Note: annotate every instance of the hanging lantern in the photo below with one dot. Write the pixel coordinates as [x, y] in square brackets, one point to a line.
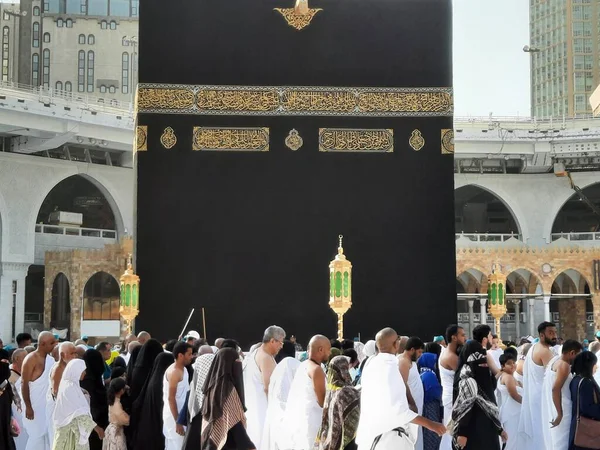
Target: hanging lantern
[130, 305]
[497, 295]
[340, 287]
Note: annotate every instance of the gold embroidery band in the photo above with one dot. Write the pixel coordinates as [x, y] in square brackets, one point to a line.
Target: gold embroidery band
[447, 141]
[231, 139]
[356, 140]
[295, 101]
[141, 138]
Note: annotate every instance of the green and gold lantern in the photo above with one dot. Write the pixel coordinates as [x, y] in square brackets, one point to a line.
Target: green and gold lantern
[340, 287]
[497, 295]
[130, 296]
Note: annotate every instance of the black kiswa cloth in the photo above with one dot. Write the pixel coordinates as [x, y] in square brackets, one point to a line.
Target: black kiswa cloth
[6, 440]
[223, 419]
[148, 408]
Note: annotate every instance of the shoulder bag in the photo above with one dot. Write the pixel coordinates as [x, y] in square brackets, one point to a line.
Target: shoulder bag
[587, 431]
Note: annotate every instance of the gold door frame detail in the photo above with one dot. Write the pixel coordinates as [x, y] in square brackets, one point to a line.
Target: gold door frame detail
[141, 138]
[295, 101]
[231, 139]
[300, 15]
[447, 141]
[356, 140]
[416, 141]
[168, 138]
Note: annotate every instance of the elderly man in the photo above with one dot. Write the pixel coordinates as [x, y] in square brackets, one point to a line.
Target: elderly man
[143, 337]
[66, 352]
[258, 367]
[36, 381]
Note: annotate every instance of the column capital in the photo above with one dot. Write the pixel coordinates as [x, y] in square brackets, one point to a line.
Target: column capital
[516, 301]
[531, 301]
[547, 299]
[471, 302]
[483, 301]
[13, 267]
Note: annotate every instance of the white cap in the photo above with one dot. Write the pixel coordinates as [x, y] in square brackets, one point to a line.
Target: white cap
[193, 334]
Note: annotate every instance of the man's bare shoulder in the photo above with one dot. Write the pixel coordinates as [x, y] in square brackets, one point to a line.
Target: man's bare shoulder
[263, 359]
[541, 355]
[449, 360]
[314, 370]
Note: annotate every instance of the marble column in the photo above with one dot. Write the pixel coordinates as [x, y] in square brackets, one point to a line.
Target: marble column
[517, 304]
[547, 307]
[471, 302]
[12, 295]
[483, 304]
[530, 317]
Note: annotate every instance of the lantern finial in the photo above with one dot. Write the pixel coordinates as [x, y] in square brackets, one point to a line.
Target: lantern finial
[340, 290]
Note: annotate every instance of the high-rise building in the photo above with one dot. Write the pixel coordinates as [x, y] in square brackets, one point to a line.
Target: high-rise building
[84, 49]
[565, 56]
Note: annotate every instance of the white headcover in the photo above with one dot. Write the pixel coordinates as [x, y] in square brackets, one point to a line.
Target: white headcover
[370, 349]
[70, 401]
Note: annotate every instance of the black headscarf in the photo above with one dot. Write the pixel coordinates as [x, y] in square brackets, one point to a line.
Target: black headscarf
[148, 408]
[142, 367]
[93, 383]
[483, 376]
[288, 350]
[132, 359]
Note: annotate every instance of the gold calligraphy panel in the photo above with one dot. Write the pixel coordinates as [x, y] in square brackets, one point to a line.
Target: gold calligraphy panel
[295, 101]
[141, 138]
[447, 141]
[231, 139]
[356, 140]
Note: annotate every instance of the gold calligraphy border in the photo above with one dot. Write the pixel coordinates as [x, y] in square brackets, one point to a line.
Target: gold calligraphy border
[231, 139]
[356, 140]
[294, 101]
[141, 138]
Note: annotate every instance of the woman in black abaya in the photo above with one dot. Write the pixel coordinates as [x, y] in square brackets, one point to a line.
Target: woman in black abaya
[93, 383]
[149, 407]
[6, 397]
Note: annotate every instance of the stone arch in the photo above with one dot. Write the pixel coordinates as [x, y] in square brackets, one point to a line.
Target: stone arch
[556, 225]
[107, 192]
[101, 297]
[572, 311]
[61, 302]
[497, 195]
[529, 279]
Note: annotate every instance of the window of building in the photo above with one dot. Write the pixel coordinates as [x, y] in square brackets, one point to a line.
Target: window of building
[46, 68]
[97, 7]
[6, 16]
[60, 23]
[119, 8]
[46, 6]
[103, 25]
[113, 25]
[71, 6]
[69, 23]
[5, 52]
[82, 38]
[101, 298]
[36, 35]
[68, 87]
[46, 37]
[134, 8]
[125, 41]
[103, 89]
[58, 86]
[125, 73]
[90, 72]
[35, 69]
[112, 90]
[36, 11]
[91, 39]
[83, 7]
[81, 71]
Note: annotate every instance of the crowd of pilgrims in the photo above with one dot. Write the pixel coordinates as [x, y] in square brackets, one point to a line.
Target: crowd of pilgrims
[393, 392]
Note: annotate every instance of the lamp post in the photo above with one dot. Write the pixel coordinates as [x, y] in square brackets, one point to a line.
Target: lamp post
[340, 287]
[497, 295]
[130, 295]
[14, 13]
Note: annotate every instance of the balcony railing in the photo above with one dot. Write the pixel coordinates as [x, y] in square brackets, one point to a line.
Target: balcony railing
[488, 237]
[464, 318]
[589, 317]
[586, 237]
[75, 231]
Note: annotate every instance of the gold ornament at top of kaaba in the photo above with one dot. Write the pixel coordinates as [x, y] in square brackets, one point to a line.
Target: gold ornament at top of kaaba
[497, 295]
[130, 295]
[293, 141]
[416, 141]
[168, 138]
[299, 16]
[340, 286]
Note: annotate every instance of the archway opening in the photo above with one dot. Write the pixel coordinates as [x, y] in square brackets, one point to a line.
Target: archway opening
[576, 216]
[571, 313]
[479, 211]
[101, 298]
[77, 194]
[61, 303]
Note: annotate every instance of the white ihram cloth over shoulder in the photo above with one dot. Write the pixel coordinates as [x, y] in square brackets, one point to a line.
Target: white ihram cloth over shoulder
[279, 390]
[173, 441]
[531, 435]
[37, 429]
[556, 438]
[418, 393]
[50, 404]
[21, 440]
[447, 379]
[255, 398]
[70, 400]
[384, 405]
[510, 412]
[303, 414]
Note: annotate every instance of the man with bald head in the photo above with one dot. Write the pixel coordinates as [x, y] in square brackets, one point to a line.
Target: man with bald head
[304, 409]
[384, 412]
[219, 343]
[126, 354]
[66, 352]
[36, 382]
[143, 337]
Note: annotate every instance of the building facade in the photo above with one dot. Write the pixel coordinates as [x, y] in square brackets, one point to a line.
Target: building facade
[565, 56]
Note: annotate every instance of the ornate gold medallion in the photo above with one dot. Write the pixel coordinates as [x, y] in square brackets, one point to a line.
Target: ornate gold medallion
[141, 138]
[447, 141]
[299, 16]
[416, 140]
[294, 141]
[168, 138]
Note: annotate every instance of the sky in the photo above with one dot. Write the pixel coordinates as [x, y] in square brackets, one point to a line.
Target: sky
[491, 71]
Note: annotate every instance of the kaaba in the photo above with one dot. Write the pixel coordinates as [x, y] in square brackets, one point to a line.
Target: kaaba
[265, 129]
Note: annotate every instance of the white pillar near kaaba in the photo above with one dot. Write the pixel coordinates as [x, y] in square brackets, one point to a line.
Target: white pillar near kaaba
[530, 316]
[517, 304]
[471, 302]
[483, 310]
